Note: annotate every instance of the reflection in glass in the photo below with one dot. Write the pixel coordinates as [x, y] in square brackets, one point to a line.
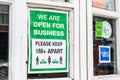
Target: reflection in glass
[104, 4]
[104, 38]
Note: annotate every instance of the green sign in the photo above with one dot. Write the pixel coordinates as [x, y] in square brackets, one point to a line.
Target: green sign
[98, 29]
[48, 41]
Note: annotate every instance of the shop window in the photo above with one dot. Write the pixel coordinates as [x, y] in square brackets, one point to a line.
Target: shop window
[104, 46]
[104, 4]
[4, 13]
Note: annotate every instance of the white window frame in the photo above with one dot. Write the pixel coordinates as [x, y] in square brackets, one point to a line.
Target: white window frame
[91, 11]
[73, 9]
[70, 39]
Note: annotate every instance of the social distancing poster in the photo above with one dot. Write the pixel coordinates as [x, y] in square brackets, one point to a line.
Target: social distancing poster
[48, 41]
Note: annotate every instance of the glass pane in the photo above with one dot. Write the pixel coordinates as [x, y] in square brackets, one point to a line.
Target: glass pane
[47, 75]
[3, 45]
[4, 8]
[104, 46]
[1, 17]
[4, 14]
[104, 4]
[5, 19]
[1, 8]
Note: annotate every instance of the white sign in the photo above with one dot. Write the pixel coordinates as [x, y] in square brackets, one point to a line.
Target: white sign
[107, 30]
[48, 53]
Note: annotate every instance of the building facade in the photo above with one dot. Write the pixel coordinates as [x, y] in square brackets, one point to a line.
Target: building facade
[59, 40]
